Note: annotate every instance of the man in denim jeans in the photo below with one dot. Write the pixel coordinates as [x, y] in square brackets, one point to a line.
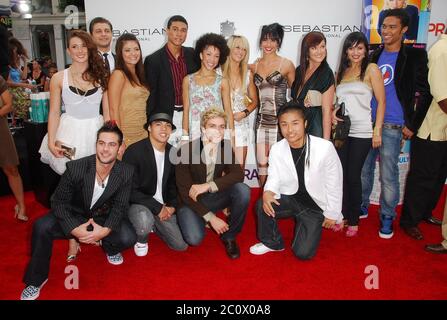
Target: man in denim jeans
[209, 179]
[405, 74]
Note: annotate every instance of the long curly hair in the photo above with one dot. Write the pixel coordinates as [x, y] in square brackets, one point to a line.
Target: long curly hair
[213, 40]
[121, 65]
[96, 71]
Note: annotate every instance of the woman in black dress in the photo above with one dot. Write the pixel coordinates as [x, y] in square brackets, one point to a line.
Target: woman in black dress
[314, 85]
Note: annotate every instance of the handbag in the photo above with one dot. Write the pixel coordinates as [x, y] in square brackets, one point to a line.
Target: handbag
[69, 151]
[340, 131]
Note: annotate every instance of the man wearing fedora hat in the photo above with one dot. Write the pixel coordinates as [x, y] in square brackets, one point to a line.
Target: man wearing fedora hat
[153, 199]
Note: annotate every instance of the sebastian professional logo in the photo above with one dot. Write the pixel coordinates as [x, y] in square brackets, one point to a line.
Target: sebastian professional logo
[142, 34]
[227, 29]
[387, 74]
[329, 30]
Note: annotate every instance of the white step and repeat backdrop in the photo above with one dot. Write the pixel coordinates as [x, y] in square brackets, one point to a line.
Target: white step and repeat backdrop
[147, 20]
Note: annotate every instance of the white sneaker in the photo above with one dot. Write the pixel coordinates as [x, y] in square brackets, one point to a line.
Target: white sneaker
[31, 292]
[260, 248]
[116, 259]
[141, 249]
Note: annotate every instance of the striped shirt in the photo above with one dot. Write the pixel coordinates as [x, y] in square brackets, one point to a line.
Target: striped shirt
[178, 71]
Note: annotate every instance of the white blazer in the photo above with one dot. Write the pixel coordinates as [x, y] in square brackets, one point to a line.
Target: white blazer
[323, 176]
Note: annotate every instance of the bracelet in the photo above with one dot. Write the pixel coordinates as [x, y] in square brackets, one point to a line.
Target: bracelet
[377, 131]
[246, 112]
[185, 138]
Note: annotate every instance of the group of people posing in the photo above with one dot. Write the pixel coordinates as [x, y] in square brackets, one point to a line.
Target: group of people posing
[170, 154]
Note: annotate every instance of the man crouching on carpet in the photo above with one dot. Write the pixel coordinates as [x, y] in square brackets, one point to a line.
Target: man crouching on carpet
[89, 204]
[305, 180]
[209, 179]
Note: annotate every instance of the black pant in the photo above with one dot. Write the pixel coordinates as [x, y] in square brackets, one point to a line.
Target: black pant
[425, 180]
[47, 229]
[308, 227]
[352, 155]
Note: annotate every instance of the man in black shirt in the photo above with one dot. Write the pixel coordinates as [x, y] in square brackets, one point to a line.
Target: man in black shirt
[305, 180]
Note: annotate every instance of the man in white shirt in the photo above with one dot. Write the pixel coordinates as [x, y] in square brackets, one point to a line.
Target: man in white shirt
[154, 193]
[101, 31]
[89, 204]
[305, 181]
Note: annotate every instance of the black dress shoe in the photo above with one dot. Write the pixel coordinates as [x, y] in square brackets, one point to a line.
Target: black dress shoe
[435, 248]
[413, 232]
[433, 220]
[231, 248]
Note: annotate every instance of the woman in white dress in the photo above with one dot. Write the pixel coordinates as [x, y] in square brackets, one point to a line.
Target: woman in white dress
[244, 98]
[80, 88]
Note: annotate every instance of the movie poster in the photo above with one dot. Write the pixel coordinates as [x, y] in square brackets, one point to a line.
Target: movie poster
[418, 11]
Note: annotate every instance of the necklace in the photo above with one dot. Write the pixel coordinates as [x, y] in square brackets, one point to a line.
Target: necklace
[301, 153]
[102, 179]
[76, 85]
[235, 84]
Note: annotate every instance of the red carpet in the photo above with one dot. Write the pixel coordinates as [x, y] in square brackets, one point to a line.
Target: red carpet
[406, 271]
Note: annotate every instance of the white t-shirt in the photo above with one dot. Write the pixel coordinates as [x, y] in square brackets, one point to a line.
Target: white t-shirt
[160, 160]
[98, 190]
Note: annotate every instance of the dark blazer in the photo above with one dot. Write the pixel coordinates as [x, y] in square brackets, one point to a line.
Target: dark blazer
[411, 77]
[192, 170]
[71, 201]
[159, 78]
[141, 156]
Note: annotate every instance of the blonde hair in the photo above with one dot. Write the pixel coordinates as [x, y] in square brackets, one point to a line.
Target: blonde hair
[232, 43]
[386, 5]
[211, 113]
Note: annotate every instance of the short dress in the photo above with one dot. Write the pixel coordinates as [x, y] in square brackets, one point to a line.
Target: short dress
[132, 112]
[242, 127]
[8, 152]
[320, 81]
[78, 126]
[272, 96]
[201, 98]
